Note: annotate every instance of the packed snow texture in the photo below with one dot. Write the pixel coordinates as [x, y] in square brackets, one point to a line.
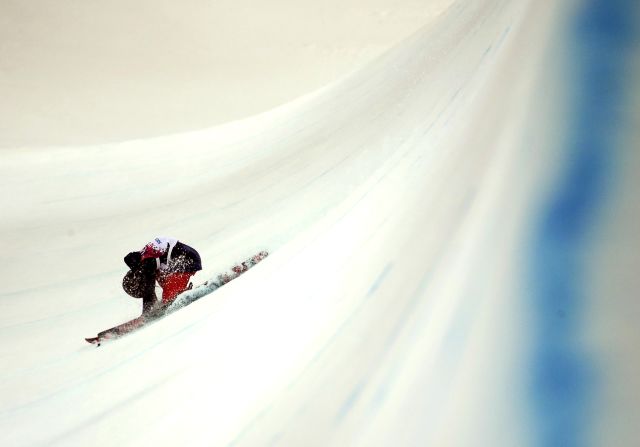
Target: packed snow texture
[83, 72]
[453, 253]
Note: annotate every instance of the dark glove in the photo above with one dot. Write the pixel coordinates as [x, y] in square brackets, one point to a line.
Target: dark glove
[133, 260]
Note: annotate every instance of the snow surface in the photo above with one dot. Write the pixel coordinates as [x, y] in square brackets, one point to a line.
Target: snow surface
[453, 255]
[84, 72]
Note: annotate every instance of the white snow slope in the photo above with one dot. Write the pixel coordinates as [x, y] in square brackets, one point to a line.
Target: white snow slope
[453, 255]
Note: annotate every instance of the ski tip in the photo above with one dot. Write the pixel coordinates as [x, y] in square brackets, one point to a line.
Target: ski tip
[93, 340]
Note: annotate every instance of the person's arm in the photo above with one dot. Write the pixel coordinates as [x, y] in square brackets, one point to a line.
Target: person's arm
[133, 260]
[152, 250]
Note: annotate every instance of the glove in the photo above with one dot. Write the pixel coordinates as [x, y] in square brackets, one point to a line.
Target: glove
[133, 260]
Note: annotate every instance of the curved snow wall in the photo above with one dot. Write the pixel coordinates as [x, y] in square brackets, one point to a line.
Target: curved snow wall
[453, 255]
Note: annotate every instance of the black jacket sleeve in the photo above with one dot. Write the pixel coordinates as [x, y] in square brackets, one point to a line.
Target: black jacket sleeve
[133, 260]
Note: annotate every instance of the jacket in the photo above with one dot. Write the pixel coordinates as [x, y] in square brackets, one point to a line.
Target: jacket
[170, 255]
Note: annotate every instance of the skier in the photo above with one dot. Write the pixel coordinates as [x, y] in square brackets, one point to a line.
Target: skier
[171, 263]
[165, 260]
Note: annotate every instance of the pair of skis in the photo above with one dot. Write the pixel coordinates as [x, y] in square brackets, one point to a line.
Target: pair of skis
[184, 299]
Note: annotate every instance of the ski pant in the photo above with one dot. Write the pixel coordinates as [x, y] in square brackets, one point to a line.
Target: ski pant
[173, 284]
[148, 286]
[141, 283]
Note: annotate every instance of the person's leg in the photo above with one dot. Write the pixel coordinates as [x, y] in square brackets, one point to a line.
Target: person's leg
[149, 298]
[148, 285]
[148, 301]
[173, 285]
[140, 283]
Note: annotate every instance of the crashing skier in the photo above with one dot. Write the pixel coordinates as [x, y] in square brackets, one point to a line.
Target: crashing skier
[172, 264]
[166, 260]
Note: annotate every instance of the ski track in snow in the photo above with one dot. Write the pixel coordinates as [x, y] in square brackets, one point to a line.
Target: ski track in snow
[453, 259]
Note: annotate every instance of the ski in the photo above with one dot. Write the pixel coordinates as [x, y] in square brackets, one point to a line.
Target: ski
[184, 299]
[126, 327]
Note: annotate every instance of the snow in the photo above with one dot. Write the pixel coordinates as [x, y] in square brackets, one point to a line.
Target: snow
[451, 226]
[90, 72]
